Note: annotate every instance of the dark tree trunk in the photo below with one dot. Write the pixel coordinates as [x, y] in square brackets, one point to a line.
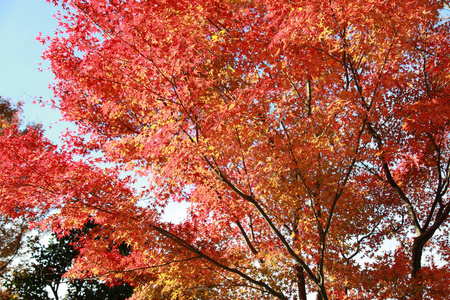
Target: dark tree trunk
[416, 260]
[416, 265]
[301, 284]
[321, 293]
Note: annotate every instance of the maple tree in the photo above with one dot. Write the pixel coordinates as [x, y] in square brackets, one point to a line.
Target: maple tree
[11, 231]
[303, 135]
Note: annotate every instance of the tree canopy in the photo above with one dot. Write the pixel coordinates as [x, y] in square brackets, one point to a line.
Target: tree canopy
[11, 231]
[46, 267]
[303, 135]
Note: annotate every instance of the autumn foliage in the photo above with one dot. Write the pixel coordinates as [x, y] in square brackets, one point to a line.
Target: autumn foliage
[11, 231]
[304, 136]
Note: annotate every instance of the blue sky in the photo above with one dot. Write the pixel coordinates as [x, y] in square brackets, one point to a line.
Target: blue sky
[20, 55]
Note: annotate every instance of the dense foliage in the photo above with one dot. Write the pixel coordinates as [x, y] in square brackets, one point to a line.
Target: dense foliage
[47, 265]
[303, 135]
[11, 231]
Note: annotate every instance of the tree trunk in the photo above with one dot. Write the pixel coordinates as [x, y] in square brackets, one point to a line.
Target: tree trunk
[416, 265]
[416, 260]
[417, 252]
[55, 290]
[301, 284]
[321, 293]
